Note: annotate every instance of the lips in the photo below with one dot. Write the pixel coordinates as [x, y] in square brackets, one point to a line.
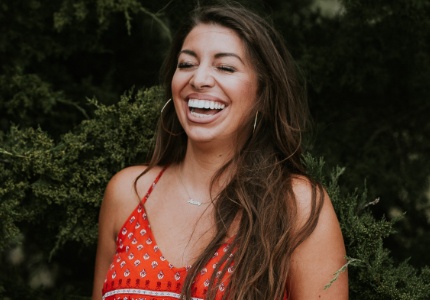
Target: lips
[204, 108]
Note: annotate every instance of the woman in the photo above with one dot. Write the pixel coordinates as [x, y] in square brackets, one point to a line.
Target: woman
[227, 210]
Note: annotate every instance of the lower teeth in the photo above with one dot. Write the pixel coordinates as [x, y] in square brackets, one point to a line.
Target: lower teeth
[198, 115]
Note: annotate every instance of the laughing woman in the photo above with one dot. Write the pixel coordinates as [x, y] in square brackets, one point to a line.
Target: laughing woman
[224, 209]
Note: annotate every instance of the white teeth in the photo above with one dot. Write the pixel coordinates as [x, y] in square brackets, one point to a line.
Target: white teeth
[200, 115]
[197, 103]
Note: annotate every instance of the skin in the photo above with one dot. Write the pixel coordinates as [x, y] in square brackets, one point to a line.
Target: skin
[315, 261]
[213, 65]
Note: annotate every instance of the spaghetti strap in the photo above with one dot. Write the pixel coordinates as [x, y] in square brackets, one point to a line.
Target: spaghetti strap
[139, 269]
[151, 188]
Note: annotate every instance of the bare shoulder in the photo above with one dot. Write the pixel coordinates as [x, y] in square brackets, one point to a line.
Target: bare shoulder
[122, 195]
[123, 181]
[302, 188]
[124, 192]
[129, 180]
[322, 254]
[307, 194]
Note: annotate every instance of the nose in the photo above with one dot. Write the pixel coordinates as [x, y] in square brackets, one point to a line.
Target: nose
[202, 78]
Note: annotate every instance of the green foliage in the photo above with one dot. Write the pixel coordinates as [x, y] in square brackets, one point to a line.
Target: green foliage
[57, 187]
[56, 54]
[373, 274]
[72, 12]
[28, 100]
[368, 69]
[68, 177]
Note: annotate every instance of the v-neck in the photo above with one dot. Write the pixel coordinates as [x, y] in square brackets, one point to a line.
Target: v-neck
[140, 268]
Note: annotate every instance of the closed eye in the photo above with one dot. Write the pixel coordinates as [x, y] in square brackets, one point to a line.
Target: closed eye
[185, 65]
[227, 68]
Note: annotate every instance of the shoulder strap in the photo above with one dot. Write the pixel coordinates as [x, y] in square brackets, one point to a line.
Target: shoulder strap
[154, 183]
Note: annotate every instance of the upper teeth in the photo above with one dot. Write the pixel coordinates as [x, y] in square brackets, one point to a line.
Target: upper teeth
[196, 103]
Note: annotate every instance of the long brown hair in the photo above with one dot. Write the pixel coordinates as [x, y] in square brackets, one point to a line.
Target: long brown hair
[260, 189]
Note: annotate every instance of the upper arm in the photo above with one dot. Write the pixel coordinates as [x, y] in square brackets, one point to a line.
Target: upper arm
[118, 202]
[315, 261]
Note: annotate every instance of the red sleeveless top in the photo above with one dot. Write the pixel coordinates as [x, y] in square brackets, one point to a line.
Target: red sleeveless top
[139, 271]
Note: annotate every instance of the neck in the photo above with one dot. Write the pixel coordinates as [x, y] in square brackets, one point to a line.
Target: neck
[198, 169]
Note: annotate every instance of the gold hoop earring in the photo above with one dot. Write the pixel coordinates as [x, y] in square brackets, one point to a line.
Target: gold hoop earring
[255, 121]
[165, 104]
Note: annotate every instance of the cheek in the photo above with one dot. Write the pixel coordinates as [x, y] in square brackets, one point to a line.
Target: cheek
[177, 82]
[249, 92]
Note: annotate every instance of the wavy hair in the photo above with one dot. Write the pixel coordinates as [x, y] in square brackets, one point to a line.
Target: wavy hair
[261, 169]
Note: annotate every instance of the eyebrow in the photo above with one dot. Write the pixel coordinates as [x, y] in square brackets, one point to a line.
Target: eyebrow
[218, 55]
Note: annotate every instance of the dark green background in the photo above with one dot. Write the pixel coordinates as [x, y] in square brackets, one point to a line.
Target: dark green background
[367, 65]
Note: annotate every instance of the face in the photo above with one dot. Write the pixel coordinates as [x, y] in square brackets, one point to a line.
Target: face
[214, 87]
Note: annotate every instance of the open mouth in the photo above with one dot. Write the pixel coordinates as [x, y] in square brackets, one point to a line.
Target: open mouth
[204, 108]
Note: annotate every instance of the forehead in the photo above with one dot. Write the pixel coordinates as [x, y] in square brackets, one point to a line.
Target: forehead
[214, 37]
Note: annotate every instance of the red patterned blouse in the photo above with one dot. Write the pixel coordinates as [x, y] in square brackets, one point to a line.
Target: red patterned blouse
[139, 270]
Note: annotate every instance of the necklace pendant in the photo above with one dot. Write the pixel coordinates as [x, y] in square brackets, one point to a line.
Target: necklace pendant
[194, 202]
